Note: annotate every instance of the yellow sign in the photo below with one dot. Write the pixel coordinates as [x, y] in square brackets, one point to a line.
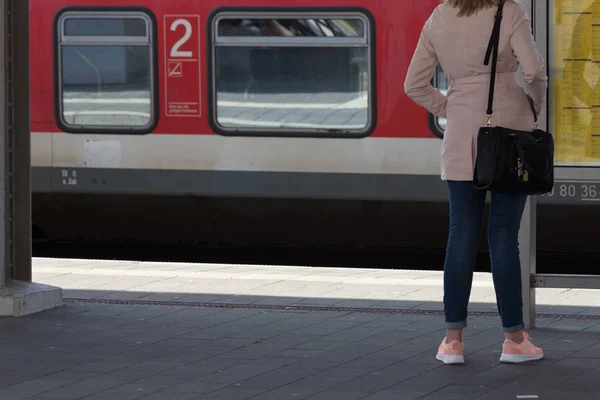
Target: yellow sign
[576, 80]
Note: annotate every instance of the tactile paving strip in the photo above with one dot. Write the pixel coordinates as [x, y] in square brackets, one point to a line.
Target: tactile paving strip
[389, 311]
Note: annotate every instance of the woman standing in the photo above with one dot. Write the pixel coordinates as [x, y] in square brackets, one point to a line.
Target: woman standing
[456, 37]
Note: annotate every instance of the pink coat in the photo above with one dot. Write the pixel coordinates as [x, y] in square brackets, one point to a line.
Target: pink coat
[458, 45]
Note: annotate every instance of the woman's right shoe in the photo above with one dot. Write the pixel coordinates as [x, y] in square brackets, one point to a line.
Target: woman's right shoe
[525, 351]
[451, 353]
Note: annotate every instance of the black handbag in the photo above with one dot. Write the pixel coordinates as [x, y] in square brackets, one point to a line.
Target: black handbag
[509, 160]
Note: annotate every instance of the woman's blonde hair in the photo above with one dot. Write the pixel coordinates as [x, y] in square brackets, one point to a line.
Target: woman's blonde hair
[470, 7]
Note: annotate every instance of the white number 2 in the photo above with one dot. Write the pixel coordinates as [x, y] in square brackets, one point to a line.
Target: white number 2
[175, 52]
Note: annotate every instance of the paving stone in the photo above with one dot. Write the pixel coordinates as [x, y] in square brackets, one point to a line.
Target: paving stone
[328, 327]
[569, 344]
[236, 374]
[247, 354]
[234, 393]
[261, 333]
[182, 358]
[314, 365]
[165, 381]
[170, 396]
[99, 367]
[403, 395]
[319, 345]
[369, 384]
[341, 395]
[275, 361]
[7, 380]
[300, 353]
[458, 393]
[562, 370]
[276, 378]
[591, 374]
[70, 376]
[194, 387]
[289, 339]
[331, 378]
[16, 394]
[127, 375]
[189, 371]
[206, 350]
[425, 383]
[113, 395]
[133, 388]
[353, 334]
[178, 344]
[370, 363]
[500, 375]
[66, 393]
[217, 362]
[37, 385]
[97, 384]
[390, 338]
[361, 317]
[289, 393]
[293, 324]
[392, 357]
[231, 342]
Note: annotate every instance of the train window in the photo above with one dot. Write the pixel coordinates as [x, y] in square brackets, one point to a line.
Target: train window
[106, 72]
[292, 74]
[437, 125]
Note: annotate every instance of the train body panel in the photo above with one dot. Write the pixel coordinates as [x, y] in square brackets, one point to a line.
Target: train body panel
[268, 98]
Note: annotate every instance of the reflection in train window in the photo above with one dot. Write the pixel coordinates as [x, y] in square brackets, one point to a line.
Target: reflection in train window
[440, 81]
[320, 27]
[292, 74]
[105, 72]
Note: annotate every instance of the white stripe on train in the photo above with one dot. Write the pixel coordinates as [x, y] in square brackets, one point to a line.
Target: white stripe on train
[214, 152]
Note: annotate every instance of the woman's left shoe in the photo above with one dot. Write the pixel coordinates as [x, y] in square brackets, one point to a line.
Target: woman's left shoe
[520, 352]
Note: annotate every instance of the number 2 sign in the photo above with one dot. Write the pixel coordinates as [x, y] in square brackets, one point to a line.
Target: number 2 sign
[183, 88]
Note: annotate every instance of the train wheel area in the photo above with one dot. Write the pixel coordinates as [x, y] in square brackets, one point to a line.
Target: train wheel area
[180, 330]
[276, 231]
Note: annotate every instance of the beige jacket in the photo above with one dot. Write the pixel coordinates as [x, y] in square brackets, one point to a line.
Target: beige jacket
[458, 45]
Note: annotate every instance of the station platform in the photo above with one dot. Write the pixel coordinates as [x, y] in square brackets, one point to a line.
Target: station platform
[171, 331]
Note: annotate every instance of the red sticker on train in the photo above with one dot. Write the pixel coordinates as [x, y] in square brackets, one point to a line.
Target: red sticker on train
[183, 88]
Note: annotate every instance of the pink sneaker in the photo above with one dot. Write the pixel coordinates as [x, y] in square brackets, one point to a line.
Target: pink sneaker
[451, 353]
[520, 353]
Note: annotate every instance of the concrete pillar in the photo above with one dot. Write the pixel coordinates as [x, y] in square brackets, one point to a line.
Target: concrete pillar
[18, 295]
[21, 143]
[5, 269]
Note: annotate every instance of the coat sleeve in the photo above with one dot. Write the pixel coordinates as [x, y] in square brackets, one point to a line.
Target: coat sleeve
[417, 84]
[531, 62]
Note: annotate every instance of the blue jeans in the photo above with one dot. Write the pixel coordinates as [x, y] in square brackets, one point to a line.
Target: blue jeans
[466, 212]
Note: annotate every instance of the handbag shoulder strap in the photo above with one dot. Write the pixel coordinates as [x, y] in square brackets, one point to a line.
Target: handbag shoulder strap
[492, 51]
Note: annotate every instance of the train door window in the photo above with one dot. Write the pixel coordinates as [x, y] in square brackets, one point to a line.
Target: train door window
[437, 125]
[105, 67]
[292, 73]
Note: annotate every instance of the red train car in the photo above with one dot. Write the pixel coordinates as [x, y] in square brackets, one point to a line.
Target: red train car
[150, 107]
[276, 99]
